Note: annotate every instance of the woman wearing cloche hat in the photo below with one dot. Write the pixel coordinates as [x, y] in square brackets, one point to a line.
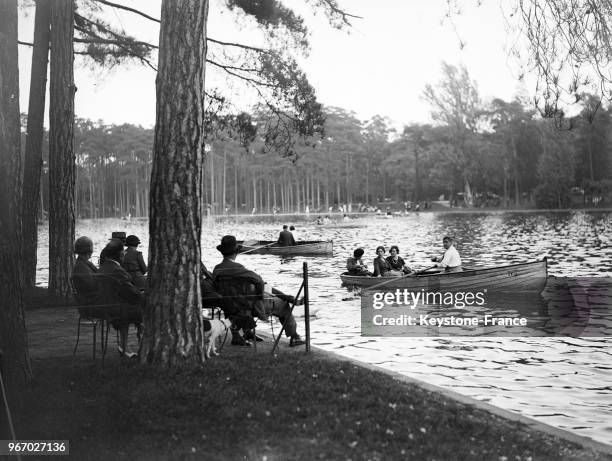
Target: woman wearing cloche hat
[133, 262]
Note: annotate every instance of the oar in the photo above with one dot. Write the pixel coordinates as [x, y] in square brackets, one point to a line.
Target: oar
[257, 248]
[424, 270]
[391, 279]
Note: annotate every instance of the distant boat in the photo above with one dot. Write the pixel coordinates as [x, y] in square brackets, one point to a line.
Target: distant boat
[305, 248]
[529, 276]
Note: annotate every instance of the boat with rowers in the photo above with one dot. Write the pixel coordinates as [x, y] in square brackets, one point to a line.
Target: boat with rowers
[303, 248]
[522, 277]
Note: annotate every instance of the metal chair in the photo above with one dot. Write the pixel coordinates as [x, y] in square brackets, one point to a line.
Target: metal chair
[92, 316]
[117, 310]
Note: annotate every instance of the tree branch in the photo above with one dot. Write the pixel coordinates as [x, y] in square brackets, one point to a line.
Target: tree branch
[239, 45]
[127, 8]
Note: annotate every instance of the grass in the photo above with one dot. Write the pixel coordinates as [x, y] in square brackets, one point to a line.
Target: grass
[245, 405]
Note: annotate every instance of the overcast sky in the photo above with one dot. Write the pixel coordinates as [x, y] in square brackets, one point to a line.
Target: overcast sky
[379, 67]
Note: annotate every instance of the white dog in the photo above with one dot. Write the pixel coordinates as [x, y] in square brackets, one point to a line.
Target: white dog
[212, 329]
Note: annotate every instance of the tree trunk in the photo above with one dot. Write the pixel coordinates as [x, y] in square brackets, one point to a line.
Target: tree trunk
[236, 204]
[224, 193]
[14, 358]
[516, 172]
[61, 152]
[173, 301]
[34, 140]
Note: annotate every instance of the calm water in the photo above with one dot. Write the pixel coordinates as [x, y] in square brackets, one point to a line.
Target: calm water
[565, 382]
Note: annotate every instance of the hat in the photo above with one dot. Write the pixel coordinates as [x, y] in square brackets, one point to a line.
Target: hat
[132, 240]
[113, 246]
[83, 245]
[228, 245]
[118, 235]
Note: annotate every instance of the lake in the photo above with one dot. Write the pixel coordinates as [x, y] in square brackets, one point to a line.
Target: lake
[565, 382]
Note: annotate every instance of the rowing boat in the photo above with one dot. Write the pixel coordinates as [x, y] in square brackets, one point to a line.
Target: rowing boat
[305, 248]
[529, 276]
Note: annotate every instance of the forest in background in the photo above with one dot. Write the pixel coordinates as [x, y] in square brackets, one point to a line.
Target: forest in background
[504, 152]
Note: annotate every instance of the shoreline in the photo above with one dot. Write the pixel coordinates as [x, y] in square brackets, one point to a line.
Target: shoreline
[584, 441]
[359, 215]
[51, 335]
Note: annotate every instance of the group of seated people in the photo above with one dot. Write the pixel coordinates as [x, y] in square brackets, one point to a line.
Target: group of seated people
[123, 296]
[395, 266]
[117, 284]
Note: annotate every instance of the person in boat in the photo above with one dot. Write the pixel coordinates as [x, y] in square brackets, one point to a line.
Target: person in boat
[450, 261]
[355, 266]
[382, 268]
[319, 221]
[285, 238]
[292, 230]
[125, 292]
[275, 303]
[326, 219]
[133, 262]
[345, 218]
[396, 262]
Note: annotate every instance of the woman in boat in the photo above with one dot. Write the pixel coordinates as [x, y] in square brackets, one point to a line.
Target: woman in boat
[382, 268]
[396, 262]
[355, 265]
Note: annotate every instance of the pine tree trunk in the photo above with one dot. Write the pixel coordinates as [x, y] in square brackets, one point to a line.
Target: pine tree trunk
[173, 301]
[14, 359]
[34, 140]
[61, 152]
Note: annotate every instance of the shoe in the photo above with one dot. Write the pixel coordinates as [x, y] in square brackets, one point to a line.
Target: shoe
[250, 336]
[296, 341]
[240, 341]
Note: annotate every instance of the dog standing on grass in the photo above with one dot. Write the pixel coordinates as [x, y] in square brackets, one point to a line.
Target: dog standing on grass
[212, 329]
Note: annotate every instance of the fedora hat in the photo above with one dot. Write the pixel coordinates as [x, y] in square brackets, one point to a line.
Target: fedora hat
[228, 245]
[118, 235]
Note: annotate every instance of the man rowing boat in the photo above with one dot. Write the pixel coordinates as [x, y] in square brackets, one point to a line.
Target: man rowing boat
[450, 261]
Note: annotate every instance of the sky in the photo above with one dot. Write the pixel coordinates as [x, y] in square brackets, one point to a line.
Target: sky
[379, 67]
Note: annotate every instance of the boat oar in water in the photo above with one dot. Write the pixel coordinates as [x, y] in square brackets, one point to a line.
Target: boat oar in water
[249, 243]
[392, 279]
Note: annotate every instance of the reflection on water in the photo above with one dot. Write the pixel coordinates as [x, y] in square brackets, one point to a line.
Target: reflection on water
[566, 382]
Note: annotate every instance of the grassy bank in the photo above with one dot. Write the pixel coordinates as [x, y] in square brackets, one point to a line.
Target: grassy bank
[247, 405]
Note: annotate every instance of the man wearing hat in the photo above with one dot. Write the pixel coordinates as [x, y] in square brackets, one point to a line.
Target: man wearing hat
[133, 261]
[277, 305]
[120, 289]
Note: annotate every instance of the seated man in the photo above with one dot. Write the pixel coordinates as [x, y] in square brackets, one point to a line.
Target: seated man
[285, 238]
[120, 289]
[451, 261]
[355, 266]
[83, 273]
[276, 304]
